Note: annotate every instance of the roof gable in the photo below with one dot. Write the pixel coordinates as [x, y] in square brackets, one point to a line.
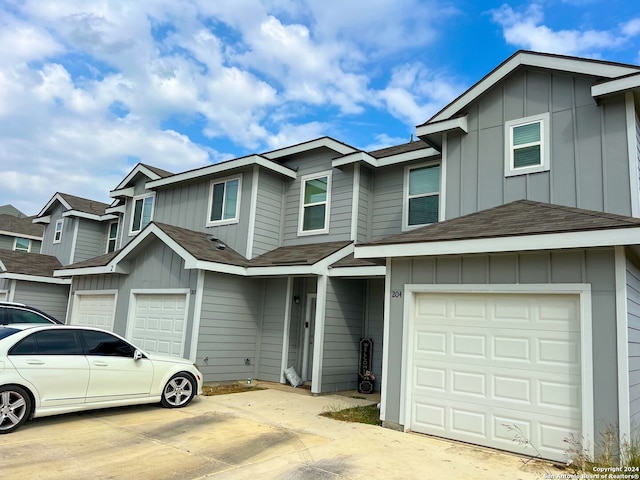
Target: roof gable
[75, 206]
[16, 226]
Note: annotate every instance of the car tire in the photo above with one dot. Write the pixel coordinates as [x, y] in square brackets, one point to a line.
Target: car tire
[179, 391]
[15, 407]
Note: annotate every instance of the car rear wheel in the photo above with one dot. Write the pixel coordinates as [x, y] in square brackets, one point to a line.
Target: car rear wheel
[178, 391]
[15, 406]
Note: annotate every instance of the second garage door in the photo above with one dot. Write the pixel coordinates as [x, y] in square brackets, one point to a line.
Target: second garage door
[94, 310]
[159, 323]
[489, 368]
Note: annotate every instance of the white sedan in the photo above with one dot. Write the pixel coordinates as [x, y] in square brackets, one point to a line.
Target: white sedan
[52, 369]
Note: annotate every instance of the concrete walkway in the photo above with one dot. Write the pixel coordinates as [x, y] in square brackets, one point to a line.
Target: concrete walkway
[258, 434]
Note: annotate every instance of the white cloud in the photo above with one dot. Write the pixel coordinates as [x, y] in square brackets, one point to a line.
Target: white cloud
[383, 140]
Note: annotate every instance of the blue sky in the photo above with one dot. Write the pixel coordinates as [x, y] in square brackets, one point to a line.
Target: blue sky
[90, 88]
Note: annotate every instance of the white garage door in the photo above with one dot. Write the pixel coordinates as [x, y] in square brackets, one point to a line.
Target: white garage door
[159, 323]
[487, 367]
[94, 310]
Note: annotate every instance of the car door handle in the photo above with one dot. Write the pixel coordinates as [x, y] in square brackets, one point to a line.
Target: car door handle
[35, 362]
[99, 363]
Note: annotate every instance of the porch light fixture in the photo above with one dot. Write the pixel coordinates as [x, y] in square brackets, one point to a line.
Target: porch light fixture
[296, 300]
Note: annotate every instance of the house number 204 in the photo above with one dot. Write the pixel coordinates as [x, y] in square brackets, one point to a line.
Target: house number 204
[396, 294]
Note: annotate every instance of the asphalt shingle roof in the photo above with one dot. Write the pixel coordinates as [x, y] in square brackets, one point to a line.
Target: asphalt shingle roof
[298, 254]
[398, 149]
[522, 217]
[29, 263]
[84, 204]
[24, 226]
[158, 171]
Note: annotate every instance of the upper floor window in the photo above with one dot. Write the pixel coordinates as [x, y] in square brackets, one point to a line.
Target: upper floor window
[142, 212]
[22, 244]
[314, 203]
[527, 145]
[224, 204]
[422, 195]
[57, 233]
[112, 237]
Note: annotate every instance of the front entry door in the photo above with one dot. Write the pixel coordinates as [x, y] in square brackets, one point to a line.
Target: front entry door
[308, 328]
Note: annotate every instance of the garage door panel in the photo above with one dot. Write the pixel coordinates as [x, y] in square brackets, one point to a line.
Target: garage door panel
[159, 323]
[486, 367]
[94, 310]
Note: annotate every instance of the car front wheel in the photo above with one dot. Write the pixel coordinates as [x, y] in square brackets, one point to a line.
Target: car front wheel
[15, 406]
[178, 391]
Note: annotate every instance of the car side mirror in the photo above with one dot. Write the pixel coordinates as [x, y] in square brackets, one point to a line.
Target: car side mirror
[137, 355]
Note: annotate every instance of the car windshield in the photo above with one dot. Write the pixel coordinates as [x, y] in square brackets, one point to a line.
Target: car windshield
[6, 332]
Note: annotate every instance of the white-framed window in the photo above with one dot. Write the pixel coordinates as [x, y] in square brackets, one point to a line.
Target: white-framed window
[421, 195]
[112, 237]
[57, 233]
[142, 212]
[224, 201]
[22, 244]
[315, 194]
[527, 145]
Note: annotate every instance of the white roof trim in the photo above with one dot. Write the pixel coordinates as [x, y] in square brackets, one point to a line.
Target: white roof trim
[2, 267]
[553, 241]
[575, 65]
[123, 192]
[139, 168]
[35, 278]
[223, 167]
[89, 216]
[46, 220]
[20, 235]
[617, 85]
[56, 198]
[457, 125]
[311, 145]
[364, 157]
[118, 209]
[72, 272]
[361, 271]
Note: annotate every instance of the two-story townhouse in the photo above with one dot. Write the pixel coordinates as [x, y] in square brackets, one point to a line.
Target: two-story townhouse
[519, 312]
[246, 266]
[18, 233]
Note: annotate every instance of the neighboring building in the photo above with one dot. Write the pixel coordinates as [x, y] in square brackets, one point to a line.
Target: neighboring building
[521, 308]
[19, 234]
[11, 210]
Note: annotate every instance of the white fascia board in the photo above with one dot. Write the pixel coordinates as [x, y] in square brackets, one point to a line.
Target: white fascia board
[617, 85]
[137, 169]
[286, 270]
[88, 216]
[313, 144]
[408, 157]
[163, 237]
[123, 192]
[554, 241]
[574, 65]
[457, 124]
[2, 267]
[35, 278]
[223, 167]
[322, 267]
[118, 209]
[356, 157]
[46, 220]
[19, 235]
[55, 198]
[372, 271]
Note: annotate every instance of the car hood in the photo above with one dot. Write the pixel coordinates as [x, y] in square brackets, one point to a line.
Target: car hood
[167, 358]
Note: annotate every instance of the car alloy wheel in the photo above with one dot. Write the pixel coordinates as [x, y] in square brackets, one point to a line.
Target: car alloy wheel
[178, 391]
[15, 406]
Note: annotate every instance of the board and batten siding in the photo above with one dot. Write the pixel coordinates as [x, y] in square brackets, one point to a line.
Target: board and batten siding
[633, 332]
[272, 331]
[90, 241]
[61, 250]
[343, 329]
[229, 327]
[6, 242]
[186, 206]
[50, 298]
[364, 205]
[313, 162]
[386, 205]
[588, 156]
[375, 325]
[581, 266]
[269, 213]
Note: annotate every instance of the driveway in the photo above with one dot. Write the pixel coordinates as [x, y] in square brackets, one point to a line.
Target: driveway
[257, 434]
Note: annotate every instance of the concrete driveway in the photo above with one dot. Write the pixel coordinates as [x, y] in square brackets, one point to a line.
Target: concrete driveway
[257, 434]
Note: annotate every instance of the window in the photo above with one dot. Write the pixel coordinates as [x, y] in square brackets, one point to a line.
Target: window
[527, 145]
[105, 344]
[314, 204]
[224, 203]
[422, 195]
[49, 342]
[22, 245]
[15, 315]
[112, 237]
[142, 213]
[57, 233]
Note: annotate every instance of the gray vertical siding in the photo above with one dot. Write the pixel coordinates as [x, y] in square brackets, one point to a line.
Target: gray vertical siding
[386, 203]
[590, 266]
[589, 163]
[62, 250]
[229, 327]
[138, 189]
[35, 246]
[375, 324]
[364, 205]
[6, 242]
[633, 331]
[341, 195]
[90, 242]
[269, 215]
[344, 323]
[273, 316]
[48, 297]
